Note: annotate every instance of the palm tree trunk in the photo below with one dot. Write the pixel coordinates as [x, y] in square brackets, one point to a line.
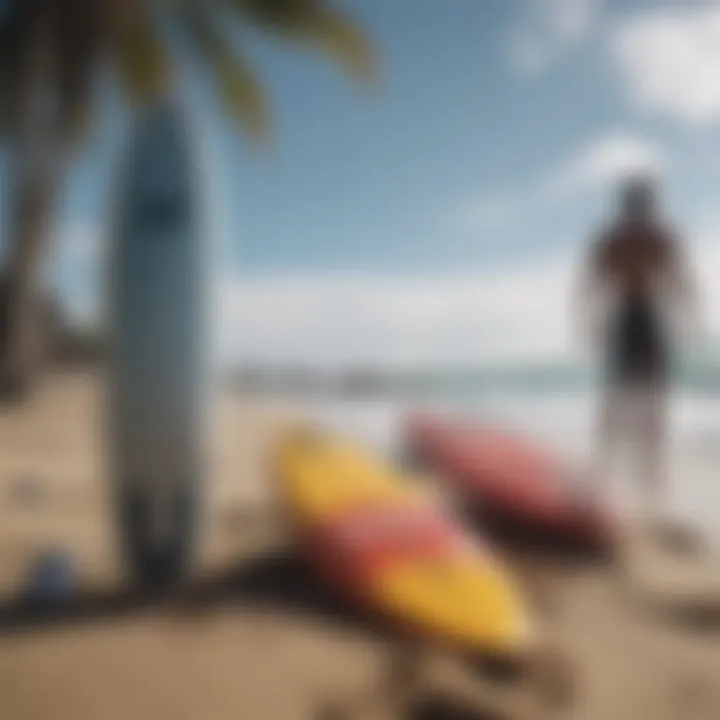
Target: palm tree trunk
[38, 156]
[30, 205]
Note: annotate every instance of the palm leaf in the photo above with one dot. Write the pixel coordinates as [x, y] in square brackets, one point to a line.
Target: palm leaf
[313, 22]
[18, 30]
[69, 35]
[235, 82]
[79, 27]
[138, 49]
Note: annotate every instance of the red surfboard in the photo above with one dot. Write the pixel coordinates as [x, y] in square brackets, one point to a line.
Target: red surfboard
[513, 481]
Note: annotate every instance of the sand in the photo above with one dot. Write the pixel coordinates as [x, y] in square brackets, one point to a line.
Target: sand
[259, 639]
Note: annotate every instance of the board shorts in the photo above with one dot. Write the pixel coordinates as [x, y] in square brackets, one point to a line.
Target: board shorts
[639, 354]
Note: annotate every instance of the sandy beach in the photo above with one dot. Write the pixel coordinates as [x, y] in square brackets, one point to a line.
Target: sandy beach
[260, 639]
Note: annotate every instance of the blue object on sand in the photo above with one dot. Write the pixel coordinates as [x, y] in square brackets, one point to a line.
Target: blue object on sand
[53, 580]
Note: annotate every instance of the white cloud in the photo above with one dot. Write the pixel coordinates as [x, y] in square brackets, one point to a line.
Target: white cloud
[603, 161]
[520, 314]
[337, 319]
[547, 29]
[669, 59]
[332, 320]
[77, 266]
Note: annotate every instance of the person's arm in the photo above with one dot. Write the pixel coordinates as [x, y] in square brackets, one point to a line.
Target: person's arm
[682, 287]
[589, 296]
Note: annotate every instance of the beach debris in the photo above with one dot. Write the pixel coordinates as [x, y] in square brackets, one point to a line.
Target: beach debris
[52, 581]
[28, 490]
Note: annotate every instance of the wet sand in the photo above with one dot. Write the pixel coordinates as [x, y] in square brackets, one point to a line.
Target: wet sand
[259, 638]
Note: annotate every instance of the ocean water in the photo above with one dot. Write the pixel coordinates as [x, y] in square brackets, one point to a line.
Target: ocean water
[564, 422]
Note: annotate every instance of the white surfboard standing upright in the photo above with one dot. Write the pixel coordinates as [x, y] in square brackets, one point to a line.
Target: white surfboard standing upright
[158, 384]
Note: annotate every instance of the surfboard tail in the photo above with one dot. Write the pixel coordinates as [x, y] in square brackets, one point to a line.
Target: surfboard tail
[159, 560]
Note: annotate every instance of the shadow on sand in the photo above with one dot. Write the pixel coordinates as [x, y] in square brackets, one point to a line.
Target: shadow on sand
[275, 580]
[278, 579]
[439, 707]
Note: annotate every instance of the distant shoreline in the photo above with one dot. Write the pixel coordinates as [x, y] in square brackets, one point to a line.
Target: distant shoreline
[78, 349]
[541, 379]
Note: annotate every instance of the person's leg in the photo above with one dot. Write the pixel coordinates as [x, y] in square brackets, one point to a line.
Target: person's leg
[608, 431]
[614, 401]
[644, 363]
[651, 446]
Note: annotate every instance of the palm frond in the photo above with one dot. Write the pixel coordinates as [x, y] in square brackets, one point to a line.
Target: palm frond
[234, 80]
[18, 30]
[138, 50]
[315, 23]
[79, 31]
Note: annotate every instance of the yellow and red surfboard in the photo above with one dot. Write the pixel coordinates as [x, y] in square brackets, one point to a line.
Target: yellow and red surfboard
[387, 544]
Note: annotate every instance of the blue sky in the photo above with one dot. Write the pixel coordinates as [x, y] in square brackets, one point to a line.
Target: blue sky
[439, 216]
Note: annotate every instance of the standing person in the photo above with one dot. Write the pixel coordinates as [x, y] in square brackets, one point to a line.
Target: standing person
[638, 276]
